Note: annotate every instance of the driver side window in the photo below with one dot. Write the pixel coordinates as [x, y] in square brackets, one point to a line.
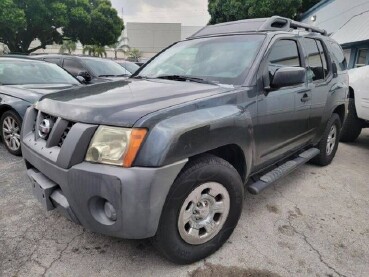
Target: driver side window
[284, 53]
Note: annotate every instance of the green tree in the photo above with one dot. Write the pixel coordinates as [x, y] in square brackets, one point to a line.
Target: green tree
[307, 4]
[92, 22]
[230, 10]
[120, 46]
[68, 46]
[95, 50]
[134, 55]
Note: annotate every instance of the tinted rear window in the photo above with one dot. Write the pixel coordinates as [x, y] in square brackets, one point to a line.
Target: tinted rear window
[338, 56]
[315, 64]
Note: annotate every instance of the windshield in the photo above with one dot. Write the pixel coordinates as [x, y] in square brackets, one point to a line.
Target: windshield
[104, 68]
[224, 60]
[26, 72]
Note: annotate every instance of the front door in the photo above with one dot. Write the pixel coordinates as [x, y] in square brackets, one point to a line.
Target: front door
[283, 114]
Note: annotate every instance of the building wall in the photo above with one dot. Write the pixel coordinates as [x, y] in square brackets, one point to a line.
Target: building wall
[188, 31]
[333, 14]
[151, 38]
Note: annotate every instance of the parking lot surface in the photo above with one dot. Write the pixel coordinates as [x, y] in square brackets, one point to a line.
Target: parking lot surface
[314, 222]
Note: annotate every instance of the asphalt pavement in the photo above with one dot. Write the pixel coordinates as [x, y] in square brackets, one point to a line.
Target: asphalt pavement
[314, 222]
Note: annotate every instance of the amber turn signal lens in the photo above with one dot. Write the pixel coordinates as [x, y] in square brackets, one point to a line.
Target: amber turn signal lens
[137, 137]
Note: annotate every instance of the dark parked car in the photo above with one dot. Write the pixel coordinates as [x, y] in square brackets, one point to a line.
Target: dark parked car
[128, 66]
[142, 61]
[23, 82]
[93, 70]
[169, 152]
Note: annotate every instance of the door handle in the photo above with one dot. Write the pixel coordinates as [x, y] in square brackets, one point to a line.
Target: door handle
[305, 98]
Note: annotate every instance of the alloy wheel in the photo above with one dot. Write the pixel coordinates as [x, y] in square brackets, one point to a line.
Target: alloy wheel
[11, 133]
[332, 139]
[203, 213]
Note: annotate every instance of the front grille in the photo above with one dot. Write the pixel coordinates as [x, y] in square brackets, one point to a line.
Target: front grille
[54, 130]
[65, 134]
[51, 119]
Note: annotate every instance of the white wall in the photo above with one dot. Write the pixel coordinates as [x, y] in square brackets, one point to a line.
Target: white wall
[152, 37]
[188, 31]
[335, 14]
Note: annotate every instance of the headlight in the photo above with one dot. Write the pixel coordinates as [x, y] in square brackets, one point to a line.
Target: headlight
[115, 146]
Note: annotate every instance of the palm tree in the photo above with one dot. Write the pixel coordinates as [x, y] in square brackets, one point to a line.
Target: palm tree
[120, 46]
[68, 46]
[95, 50]
[134, 55]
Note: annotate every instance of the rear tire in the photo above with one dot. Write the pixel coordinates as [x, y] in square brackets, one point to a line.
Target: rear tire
[329, 143]
[352, 127]
[208, 192]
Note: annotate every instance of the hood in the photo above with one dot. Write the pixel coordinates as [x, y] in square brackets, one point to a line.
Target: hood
[31, 93]
[123, 103]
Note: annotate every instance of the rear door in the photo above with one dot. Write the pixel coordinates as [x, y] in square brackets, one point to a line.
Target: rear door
[319, 79]
[283, 117]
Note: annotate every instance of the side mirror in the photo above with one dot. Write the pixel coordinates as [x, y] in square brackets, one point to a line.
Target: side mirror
[85, 75]
[81, 79]
[334, 70]
[287, 77]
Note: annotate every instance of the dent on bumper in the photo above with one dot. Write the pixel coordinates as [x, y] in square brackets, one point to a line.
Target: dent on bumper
[137, 194]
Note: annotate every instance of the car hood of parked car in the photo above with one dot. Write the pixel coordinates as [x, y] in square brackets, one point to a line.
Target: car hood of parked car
[123, 103]
[32, 92]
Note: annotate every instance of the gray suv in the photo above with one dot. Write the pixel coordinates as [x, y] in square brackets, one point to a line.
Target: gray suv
[169, 152]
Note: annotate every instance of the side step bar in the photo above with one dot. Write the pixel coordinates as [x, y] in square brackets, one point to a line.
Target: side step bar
[281, 171]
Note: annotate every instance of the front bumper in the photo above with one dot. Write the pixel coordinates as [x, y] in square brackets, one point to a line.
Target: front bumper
[137, 194]
[62, 180]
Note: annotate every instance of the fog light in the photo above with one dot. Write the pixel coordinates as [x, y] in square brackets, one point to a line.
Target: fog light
[110, 212]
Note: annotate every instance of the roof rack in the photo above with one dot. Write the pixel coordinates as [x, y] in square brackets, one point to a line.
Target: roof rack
[275, 23]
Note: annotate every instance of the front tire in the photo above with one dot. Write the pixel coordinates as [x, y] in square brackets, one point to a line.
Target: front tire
[201, 211]
[10, 127]
[352, 127]
[329, 143]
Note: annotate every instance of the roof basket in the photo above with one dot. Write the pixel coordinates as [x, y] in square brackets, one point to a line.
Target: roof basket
[276, 23]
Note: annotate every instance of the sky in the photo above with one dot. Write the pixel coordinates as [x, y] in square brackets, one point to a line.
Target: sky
[187, 12]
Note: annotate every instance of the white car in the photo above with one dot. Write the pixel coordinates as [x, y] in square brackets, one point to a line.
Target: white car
[358, 116]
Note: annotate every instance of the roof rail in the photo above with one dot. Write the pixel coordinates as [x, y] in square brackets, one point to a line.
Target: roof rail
[285, 24]
[275, 23]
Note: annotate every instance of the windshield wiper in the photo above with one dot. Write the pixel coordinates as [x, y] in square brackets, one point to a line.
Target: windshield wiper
[111, 75]
[183, 78]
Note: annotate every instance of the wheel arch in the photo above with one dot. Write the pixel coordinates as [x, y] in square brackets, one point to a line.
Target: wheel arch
[341, 112]
[351, 92]
[5, 108]
[233, 154]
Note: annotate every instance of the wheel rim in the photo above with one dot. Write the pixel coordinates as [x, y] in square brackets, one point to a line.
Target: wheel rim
[332, 139]
[11, 133]
[203, 213]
